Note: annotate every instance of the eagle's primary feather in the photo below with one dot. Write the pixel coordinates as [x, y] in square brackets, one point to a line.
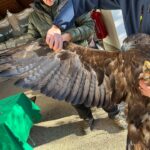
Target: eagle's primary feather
[86, 76]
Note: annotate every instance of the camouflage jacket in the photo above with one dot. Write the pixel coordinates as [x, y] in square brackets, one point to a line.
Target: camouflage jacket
[41, 19]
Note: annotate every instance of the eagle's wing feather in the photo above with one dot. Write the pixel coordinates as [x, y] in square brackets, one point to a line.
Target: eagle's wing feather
[81, 88]
[91, 92]
[86, 86]
[35, 76]
[62, 75]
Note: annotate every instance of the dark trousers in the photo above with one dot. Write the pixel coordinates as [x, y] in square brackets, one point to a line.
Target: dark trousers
[86, 113]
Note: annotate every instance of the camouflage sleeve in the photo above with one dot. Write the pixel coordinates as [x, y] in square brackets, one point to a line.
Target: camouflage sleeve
[84, 28]
[32, 30]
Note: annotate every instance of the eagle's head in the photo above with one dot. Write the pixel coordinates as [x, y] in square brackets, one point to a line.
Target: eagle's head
[134, 40]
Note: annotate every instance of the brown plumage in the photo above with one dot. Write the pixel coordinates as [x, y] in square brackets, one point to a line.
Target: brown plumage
[86, 76]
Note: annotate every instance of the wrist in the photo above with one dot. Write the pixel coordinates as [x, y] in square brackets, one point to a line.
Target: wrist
[67, 37]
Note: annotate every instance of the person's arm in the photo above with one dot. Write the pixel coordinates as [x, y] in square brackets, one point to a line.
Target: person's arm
[75, 8]
[64, 20]
[83, 30]
[71, 10]
[32, 31]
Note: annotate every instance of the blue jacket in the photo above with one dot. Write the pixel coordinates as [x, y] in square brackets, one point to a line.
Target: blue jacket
[131, 9]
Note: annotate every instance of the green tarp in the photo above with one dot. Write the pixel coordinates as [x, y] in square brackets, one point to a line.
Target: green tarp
[17, 115]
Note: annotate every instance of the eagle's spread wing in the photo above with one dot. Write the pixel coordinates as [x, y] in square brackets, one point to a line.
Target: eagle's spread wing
[59, 75]
[84, 76]
[77, 75]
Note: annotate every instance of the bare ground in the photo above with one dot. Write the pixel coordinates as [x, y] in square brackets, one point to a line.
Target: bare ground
[61, 128]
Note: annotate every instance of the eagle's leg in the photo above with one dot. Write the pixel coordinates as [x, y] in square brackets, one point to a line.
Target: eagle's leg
[115, 114]
[86, 114]
[111, 110]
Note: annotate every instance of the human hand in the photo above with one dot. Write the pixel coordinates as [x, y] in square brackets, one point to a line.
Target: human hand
[144, 88]
[54, 38]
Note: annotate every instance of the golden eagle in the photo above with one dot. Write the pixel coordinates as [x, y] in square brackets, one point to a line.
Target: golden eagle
[86, 76]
